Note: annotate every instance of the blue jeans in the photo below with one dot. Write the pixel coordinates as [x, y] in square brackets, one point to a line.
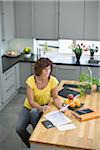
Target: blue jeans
[27, 117]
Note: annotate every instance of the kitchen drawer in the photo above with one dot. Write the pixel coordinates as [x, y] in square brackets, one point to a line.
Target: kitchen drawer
[8, 92]
[9, 78]
[9, 85]
[9, 81]
[9, 73]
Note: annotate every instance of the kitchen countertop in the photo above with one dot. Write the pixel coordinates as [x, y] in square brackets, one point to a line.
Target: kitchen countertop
[8, 62]
[59, 59]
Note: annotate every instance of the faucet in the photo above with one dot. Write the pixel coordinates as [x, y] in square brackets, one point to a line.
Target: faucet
[90, 73]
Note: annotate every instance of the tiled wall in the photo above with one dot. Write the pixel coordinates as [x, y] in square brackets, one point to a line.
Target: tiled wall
[3, 48]
[20, 44]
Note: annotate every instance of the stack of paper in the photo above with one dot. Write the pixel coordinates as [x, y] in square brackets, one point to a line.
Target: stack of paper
[66, 127]
[59, 120]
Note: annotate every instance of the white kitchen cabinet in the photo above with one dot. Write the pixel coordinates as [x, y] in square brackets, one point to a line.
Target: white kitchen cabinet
[8, 84]
[36, 19]
[0, 89]
[46, 19]
[25, 71]
[24, 21]
[65, 72]
[0, 81]
[57, 19]
[0, 94]
[7, 17]
[0, 26]
[71, 17]
[91, 20]
[95, 71]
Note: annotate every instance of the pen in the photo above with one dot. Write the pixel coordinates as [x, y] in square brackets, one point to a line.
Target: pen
[65, 108]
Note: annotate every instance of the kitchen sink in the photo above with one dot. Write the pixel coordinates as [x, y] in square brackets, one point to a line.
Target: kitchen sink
[94, 61]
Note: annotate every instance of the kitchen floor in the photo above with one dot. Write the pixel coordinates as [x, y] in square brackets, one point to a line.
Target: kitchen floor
[9, 140]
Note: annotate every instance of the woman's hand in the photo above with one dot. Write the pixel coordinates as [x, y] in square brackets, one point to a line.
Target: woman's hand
[46, 108]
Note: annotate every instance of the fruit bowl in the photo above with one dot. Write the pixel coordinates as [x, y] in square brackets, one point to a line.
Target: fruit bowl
[74, 103]
[12, 53]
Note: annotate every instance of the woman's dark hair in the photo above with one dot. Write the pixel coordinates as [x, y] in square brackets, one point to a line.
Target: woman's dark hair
[41, 64]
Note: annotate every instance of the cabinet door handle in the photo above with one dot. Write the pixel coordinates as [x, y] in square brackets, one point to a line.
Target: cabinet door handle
[10, 88]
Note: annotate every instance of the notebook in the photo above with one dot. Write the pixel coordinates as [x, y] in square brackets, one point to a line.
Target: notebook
[66, 91]
[86, 114]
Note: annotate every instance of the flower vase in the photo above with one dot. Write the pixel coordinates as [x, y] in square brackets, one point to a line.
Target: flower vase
[92, 55]
[78, 56]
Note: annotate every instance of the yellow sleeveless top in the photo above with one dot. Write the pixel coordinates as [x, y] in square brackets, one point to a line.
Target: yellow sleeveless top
[42, 96]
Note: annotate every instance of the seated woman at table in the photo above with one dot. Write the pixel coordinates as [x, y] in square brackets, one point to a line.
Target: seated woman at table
[40, 88]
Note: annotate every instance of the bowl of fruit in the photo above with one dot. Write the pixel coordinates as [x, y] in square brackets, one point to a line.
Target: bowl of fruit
[73, 102]
[12, 53]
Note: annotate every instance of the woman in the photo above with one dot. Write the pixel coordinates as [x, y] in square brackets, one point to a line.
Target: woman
[40, 88]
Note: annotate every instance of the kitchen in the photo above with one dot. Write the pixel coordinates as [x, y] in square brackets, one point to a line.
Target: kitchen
[23, 23]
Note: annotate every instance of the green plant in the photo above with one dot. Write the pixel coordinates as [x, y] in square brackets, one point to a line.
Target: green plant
[86, 83]
[45, 48]
[27, 50]
[82, 92]
[84, 77]
[85, 88]
[93, 48]
[78, 48]
[96, 81]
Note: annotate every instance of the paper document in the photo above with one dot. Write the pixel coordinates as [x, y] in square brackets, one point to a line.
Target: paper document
[57, 118]
[66, 127]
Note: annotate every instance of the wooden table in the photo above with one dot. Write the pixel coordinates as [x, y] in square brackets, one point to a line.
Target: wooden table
[85, 136]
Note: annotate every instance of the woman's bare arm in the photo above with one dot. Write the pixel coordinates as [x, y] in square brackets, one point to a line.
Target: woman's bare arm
[56, 100]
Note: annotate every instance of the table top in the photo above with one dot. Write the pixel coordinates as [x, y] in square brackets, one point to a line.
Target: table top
[85, 136]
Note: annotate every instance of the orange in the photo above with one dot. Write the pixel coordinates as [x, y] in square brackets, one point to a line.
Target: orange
[72, 104]
[67, 101]
[77, 103]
